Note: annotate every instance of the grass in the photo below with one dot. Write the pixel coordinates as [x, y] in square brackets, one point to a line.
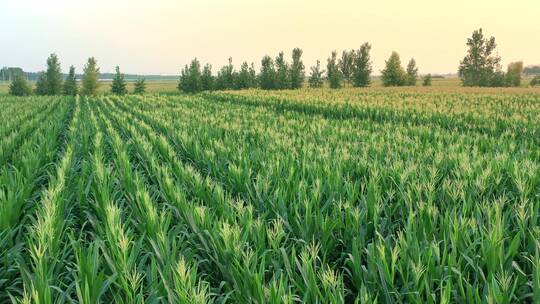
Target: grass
[375, 195]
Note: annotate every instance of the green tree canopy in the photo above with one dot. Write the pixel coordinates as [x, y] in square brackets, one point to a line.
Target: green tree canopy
[282, 73]
[332, 71]
[426, 81]
[140, 86]
[513, 74]
[90, 79]
[19, 86]
[362, 66]
[267, 76]
[297, 72]
[412, 72]
[316, 77]
[190, 78]
[393, 74]
[41, 84]
[479, 66]
[70, 85]
[53, 76]
[118, 86]
[207, 79]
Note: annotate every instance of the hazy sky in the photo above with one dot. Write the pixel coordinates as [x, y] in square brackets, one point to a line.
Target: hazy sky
[160, 36]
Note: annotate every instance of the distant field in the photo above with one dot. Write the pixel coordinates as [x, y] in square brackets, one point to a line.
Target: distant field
[158, 86]
[398, 195]
[438, 84]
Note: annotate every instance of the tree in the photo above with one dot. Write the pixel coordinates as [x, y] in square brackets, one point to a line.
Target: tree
[90, 78]
[282, 73]
[480, 64]
[316, 77]
[243, 77]
[118, 85]
[53, 76]
[267, 76]
[535, 81]
[190, 79]
[393, 74]
[412, 72]
[513, 74]
[297, 69]
[332, 72]
[41, 84]
[362, 66]
[140, 86]
[252, 76]
[226, 77]
[346, 63]
[207, 80]
[426, 82]
[19, 86]
[70, 85]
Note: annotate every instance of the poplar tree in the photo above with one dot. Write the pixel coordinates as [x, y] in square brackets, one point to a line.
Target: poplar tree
[346, 63]
[207, 80]
[70, 85]
[412, 73]
[267, 76]
[316, 77]
[90, 78]
[243, 77]
[282, 73]
[297, 69]
[190, 78]
[118, 85]
[41, 84]
[479, 66]
[252, 76]
[332, 71]
[53, 76]
[362, 66]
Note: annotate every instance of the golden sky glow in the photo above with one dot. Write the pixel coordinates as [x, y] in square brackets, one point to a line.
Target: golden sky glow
[161, 36]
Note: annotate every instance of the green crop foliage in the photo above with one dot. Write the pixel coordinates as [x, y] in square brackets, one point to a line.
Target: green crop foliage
[407, 195]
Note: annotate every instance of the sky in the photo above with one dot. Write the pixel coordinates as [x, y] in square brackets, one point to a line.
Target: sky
[160, 36]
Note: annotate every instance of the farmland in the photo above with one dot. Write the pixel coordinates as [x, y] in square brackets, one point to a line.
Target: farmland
[416, 195]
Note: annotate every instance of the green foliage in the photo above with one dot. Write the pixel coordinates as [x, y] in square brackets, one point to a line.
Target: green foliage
[41, 85]
[316, 79]
[297, 73]
[393, 74]
[332, 72]
[118, 86]
[226, 77]
[426, 81]
[90, 78]
[190, 78]
[513, 74]
[297, 196]
[282, 81]
[207, 79]
[140, 86]
[412, 72]
[361, 70]
[481, 63]
[70, 84]
[19, 86]
[9, 74]
[53, 76]
[243, 79]
[532, 70]
[267, 76]
[346, 64]
[535, 81]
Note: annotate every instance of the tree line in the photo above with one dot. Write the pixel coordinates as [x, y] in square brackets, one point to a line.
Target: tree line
[51, 82]
[480, 67]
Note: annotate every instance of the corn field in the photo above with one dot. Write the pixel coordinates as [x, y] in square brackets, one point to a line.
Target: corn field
[306, 196]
